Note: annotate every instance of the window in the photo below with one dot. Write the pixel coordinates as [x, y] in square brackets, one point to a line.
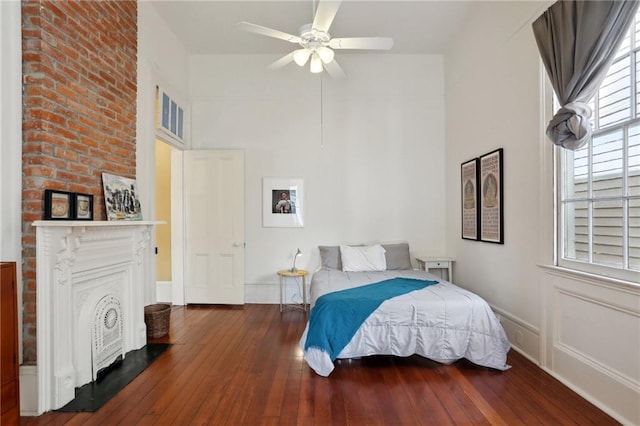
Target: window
[170, 117]
[599, 193]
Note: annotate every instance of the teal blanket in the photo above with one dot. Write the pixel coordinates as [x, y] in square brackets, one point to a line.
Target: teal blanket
[336, 316]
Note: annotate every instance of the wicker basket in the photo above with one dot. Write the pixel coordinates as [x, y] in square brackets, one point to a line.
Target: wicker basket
[157, 317]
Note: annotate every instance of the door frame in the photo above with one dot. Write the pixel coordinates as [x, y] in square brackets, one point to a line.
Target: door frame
[177, 228]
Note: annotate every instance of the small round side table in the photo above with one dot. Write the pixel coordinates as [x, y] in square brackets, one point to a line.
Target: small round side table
[298, 273]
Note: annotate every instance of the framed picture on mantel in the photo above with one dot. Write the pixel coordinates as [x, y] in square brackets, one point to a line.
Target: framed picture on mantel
[83, 207]
[121, 198]
[58, 205]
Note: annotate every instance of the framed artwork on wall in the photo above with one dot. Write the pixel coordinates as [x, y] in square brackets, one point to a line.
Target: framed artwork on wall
[58, 205]
[121, 198]
[469, 191]
[282, 202]
[491, 197]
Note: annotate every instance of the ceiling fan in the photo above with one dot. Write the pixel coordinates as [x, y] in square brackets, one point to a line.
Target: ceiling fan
[316, 44]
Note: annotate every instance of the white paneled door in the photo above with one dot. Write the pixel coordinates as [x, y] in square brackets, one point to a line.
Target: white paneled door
[214, 204]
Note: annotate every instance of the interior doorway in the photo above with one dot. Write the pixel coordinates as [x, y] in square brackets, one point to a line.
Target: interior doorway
[163, 213]
[217, 176]
[170, 236]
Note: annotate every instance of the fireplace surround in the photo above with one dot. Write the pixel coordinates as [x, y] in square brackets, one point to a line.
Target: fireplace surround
[94, 280]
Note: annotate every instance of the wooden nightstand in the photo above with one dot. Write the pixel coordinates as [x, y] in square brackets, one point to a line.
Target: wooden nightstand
[430, 263]
[300, 273]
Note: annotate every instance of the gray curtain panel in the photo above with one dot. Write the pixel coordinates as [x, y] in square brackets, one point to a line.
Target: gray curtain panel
[577, 42]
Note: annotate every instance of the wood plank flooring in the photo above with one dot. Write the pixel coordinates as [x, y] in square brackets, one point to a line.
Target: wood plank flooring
[242, 366]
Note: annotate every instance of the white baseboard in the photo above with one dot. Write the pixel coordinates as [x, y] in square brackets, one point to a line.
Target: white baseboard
[262, 293]
[270, 293]
[524, 354]
[163, 292]
[524, 337]
[29, 390]
[591, 398]
[253, 293]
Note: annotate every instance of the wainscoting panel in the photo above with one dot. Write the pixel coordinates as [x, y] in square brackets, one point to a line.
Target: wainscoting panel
[592, 340]
[583, 321]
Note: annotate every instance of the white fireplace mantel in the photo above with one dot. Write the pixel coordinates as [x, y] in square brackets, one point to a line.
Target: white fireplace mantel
[94, 223]
[78, 262]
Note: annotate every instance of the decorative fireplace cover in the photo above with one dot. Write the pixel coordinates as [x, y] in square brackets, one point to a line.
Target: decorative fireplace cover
[107, 336]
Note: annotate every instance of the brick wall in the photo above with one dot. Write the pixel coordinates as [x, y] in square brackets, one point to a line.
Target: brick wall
[79, 112]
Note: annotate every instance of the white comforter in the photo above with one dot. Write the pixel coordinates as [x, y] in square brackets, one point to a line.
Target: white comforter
[442, 322]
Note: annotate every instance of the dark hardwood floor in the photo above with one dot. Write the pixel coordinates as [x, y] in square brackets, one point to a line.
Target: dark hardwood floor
[242, 366]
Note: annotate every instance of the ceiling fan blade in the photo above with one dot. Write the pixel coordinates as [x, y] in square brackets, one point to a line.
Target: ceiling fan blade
[325, 13]
[269, 32]
[281, 62]
[334, 70]
[375, 43]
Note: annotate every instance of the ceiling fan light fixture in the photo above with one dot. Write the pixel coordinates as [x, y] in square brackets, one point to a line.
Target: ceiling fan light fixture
[316, 64]
[301, 56]
[314, 42]
[326, 55]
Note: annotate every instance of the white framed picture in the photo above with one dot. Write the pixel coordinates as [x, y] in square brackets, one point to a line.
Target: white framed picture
[282, 202]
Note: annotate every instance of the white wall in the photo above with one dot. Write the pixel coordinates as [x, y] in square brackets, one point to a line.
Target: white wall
[583, 330]
[163, 61]
[375, 175]
[493, 101]
[11, 144]
[10, 131]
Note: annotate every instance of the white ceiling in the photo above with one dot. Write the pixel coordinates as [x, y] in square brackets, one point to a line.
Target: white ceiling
[209, 27]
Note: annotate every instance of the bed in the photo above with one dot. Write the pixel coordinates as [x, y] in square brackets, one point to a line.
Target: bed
[441, 321]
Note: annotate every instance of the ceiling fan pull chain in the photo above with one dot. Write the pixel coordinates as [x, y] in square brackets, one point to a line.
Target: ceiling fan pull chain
[321, 115]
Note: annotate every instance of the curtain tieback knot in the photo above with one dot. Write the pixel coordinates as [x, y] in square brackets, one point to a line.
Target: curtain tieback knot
[570, 127]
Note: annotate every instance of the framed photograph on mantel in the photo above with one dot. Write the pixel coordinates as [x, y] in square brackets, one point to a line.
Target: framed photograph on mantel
[491, 198]
[469, 191]
[83, 206]
[58, 205]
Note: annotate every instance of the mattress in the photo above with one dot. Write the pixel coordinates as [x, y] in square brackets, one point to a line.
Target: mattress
[442, 322]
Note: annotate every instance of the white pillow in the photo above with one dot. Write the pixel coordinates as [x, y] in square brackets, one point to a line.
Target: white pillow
[363, 258]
